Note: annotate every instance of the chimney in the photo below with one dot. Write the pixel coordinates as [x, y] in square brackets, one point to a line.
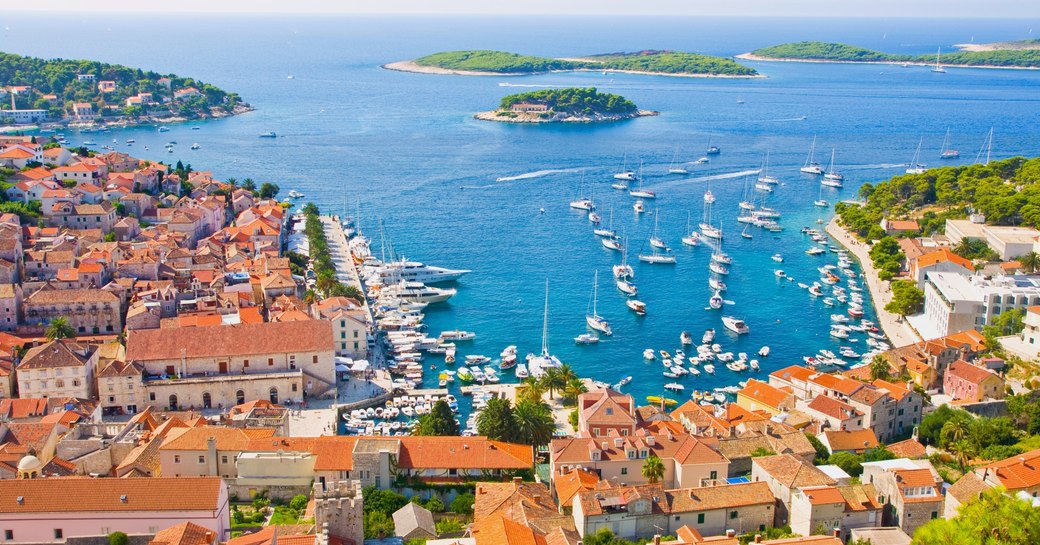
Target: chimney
[211, 456]
[730, 532]
[657, 539]
[758, 538]
[516, 482]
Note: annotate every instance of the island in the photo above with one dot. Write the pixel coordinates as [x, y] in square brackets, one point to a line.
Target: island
[998, 55]
[35, 91]
[568, 105]
[501, 63]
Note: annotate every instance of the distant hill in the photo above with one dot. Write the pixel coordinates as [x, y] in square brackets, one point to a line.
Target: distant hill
[651, 61]
[107, 87]
[572, 104]
[837, 52]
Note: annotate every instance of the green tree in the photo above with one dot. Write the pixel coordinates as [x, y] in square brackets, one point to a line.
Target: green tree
[59, 328]
[383, 501]
[653, 469]
[118, 538]
[932, 424]
[439, 421]
[463, 503]
[879, 368]
[553, 381]
[435, 505]
[534, 423]
[1030, 262]
[298, 503]
[821, 450]
[268, 190]
[497, 421]
[249, 185]
[993, 519]
[964, 451]
[907, 298]
[378, 525]
[878, 453]
[850, 463]
[574, 388]
[530, 390]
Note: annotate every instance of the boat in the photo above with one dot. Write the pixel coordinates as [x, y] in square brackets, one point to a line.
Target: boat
[811, 166]
[622, 382]
[915, 167]
[779, 273]
[709, 197]
[709, 335]
[706, 227]
[778, 258]
[674, 386]
[839, 332]
[675, 167]
[521, 371]
[539, 364]
[764, 351]
[685, 338]
[716, 284]
[457, 335]
[417, 292]
[412, 271]
[637, 306]
[938, 67]
[946, 152]
[735, 325]
[658, 400]
[832, 178]
[195, 146]
[657, 258]
[583, 204]
[710, 369]
[649, 355]
[464, 374]
[655, 240]
[586, 339]
[594, 218]
[712, 150]
[716, 301]
[623, 270]
[691, 238]
[638, 206]
[701, 161]
[745, 233]
[624, 174]
[626, 287]
[611, 244]
[593, 319]
[268, 134]
[717, 268]
[609, 231]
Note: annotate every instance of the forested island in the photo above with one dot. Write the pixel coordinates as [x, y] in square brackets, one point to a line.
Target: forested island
[91, 92]
[485, 62]
[568, 105]
[1006, 192]
[989, 57]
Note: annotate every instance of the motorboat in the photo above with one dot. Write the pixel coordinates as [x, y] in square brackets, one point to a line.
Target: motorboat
[412, 271]
[709, 335]
[477, 359]
[735, 325]
[637, 306]
[763, 352]
[710, 369]
[779, 273]
[417, 292]
[195, 146]
[674, 386]
[586, 339]
[649, 355]
[701, 161]
[594, 218]
[639, 207]
[583, 204]
[778, 258]
[685, 338]
[521, 371]
[268, 134]
[457, 335]
[716, 301]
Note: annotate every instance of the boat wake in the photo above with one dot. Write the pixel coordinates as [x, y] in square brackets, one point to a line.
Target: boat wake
[536, 174]
[723, 176]
[868, 167]
[533, 85]
[785, 119]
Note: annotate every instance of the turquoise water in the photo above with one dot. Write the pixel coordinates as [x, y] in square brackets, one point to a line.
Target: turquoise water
[406, 147]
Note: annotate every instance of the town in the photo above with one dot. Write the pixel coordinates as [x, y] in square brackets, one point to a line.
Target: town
[174, 372]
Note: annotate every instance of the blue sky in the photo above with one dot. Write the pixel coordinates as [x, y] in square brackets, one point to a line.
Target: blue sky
[799, 8]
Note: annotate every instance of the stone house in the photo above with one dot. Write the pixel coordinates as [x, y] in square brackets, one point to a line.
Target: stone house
[823, 509]
[785, 474]
[88, 311]
[966, 382]
[60, 368]
[83, 216]
[120, 387]
[1016, 474]
[10, 306]
[910, 489]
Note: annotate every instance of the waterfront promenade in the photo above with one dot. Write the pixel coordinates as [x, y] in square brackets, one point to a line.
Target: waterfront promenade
[897, 330]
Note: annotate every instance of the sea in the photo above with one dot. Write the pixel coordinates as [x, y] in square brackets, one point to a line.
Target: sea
[401, 153]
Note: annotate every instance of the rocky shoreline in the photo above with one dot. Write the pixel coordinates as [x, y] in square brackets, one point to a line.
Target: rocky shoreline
[523, 117]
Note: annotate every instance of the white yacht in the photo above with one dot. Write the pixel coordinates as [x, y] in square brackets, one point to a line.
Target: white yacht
[417, 292]
[735, 325]
[609, 231]
[658, 258]
[586, 338]
[915, 167]
[457, 335]
[593, 319]
[637, 306]
[414, 271]
[611, 244]
[583, 204]
[639, 207]
[811, 166]
[537, 365]
[655, 240]
[832, 178]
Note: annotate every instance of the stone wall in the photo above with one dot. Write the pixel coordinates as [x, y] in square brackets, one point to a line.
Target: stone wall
[338, 510]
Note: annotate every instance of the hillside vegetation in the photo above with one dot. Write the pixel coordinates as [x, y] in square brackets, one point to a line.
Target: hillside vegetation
[1007, 192]
[59, 77]
[574, 101]
[664, 62]
[825, 51]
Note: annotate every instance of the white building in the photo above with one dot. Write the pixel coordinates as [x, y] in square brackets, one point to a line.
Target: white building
[1008, 241]
[953, 302]
[24, 117]
[61, 368]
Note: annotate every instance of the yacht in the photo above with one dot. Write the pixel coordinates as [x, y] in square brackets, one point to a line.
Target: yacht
[811, 166]
[643, 193]
[716, 284]
[594, 218]
[655, 240]
[636, 306]
[915, 167]
[675, 167]
[586, 338]
[701, 161]
[414, 271]
[521, 371]
[639, 207]
[624, 174]
[692, 238]
[938, 67]
[195, 146]
[765, 178]
[832, 178]
[685, 338]
[593, 319]
[718, 268]
[709, 197]
[735, 325]
[706, 227]
[712, 150]
[946, 152]
[417, 292]
[268, 134]
[764, 351]
[609, 231]
[778, 258]
[649, 355]
[611, 244]
[657, 259]
[457, 335]
[716, 301]
[544, 361]
[583, 204]
[163, 128]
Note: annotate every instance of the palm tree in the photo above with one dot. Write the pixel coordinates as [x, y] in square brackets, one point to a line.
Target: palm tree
[954, 430]
[534, 422]
[574, 388]
[653, 469]
[879, 368]
[530, 390]
[553, 381]
[964, 451]
[1030, 262]
[59, 328]
[567, 373]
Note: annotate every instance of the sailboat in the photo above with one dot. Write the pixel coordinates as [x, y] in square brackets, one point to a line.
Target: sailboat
[707, 229]
[625, 174]
[655, 240]
[765, 178]
[639, 191]
[819, 200]
[611, 243]
[691, 238]
[744, 233]
[581, 202]
[811, 166]
[538, 365]
[987, 148]
[662, 257]
[832, 178]
[676, 167]
[593, 319]
[746, 202]
[946, 152]
[716, 301]
[938, 67]
[712, 150]
[915, 167]
[624, 270]
[609, 231]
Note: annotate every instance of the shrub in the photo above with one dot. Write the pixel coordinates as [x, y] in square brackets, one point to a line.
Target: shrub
[435, 505]
[378, 525]
[463, 503]
[449, 525]
[118, 538]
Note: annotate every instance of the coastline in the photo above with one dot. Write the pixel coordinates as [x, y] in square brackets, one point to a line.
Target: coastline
[995, 46]
[752, 57]
[897, 330]
[492, 115]
[411, 66]
[123, 123]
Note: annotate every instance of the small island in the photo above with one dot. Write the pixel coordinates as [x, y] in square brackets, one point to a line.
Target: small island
[999, 55]
[44, 92]
[501, 63]
[568, 105]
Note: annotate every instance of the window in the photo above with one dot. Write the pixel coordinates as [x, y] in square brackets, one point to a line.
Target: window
[59, 383]
[223, 459]
[624, 471]
[610, 411]
[314, 359]
[713, 475]
[761, 527]
[176, 459]
[202, 459]
[270, 361]
[294, 386]
[935, 515]
[58, 534]
[245, 363]
[700, 518]
[732, 515]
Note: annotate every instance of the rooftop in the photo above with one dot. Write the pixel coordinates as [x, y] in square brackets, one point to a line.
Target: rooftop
[78, 494]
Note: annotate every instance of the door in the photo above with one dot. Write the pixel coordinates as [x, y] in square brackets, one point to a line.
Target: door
[223, 367]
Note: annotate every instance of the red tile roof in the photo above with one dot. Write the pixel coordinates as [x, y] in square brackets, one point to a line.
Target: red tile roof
[77, 494]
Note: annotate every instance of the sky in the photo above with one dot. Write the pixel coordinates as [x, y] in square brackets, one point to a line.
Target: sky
[758, 8]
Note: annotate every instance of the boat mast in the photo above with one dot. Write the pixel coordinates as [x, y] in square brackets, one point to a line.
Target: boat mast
[545, 321]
